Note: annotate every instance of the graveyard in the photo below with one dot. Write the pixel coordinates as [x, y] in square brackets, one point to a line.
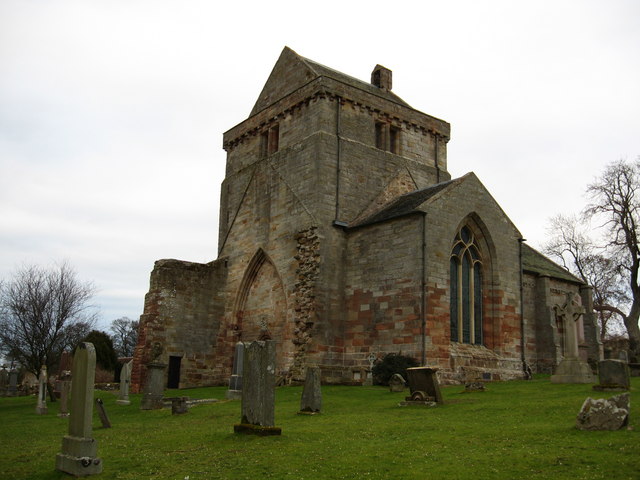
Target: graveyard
[514, 429]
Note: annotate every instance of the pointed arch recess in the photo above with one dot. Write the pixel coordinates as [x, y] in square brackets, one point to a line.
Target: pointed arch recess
[260, 309]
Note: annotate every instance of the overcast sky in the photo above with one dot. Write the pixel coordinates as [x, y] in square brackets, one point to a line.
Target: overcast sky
[112, 112]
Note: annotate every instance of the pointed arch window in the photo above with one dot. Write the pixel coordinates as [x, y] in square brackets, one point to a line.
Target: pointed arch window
[466, 289]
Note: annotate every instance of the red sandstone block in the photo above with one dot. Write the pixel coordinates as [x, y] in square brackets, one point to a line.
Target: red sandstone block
[384, 326]
[398, 340]
[408, 340]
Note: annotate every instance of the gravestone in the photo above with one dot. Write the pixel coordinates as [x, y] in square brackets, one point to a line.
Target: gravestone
[601, 414]
[125, 381]
[368, 380]
[179, 405]
[154, 386]
[102, 413]
[12, 391]
[65, 389]
[258, 389]
[397, 383]
[571, 369]
[41, 407]
[423, 382]
[311, 401]
[4, 380]
[235, 382]
[613, 376]
[79, 449]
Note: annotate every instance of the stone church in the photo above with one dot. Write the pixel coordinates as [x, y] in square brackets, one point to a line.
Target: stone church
[343, 237]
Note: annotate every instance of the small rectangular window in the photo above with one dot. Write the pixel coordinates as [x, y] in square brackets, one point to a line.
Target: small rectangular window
[387, 137]
[274, 138]
[394, 140]
[381, 141]
[269, 141]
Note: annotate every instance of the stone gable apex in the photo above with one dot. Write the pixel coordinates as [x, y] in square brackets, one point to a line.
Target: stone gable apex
[292, 71]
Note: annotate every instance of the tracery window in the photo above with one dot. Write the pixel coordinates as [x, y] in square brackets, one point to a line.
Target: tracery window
[466, 289]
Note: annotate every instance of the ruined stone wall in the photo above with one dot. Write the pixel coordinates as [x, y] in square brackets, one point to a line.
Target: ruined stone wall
[182, 312]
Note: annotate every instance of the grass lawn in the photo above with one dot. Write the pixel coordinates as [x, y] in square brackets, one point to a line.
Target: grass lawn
[514, 430]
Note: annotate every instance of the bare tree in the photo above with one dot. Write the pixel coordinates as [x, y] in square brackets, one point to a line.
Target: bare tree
[43, 311]
[615, 198]
[571, 244]
[125, 336]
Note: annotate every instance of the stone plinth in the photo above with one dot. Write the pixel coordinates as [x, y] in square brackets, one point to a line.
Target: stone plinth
[154, 388]
[573, 370]
[79, 449]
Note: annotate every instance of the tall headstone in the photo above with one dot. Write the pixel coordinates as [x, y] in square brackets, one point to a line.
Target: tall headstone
[4, 380]
[41, 406]
[235, 382]
[259, 389]
[125, 381]
[311, 401]
[65, 390]
[571, 369]
[79, 449]
[12, 391]
[154, 386]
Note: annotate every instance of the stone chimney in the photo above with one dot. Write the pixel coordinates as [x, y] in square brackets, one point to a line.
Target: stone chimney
[381, 77]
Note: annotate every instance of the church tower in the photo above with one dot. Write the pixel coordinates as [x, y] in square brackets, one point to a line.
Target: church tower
[319, 152]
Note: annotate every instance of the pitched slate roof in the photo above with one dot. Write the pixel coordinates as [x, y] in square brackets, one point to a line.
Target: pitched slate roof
[535, 262]
[406, 203]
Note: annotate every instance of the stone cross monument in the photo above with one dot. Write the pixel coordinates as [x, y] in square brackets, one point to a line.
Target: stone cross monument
[571, 369]
[79, 449]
